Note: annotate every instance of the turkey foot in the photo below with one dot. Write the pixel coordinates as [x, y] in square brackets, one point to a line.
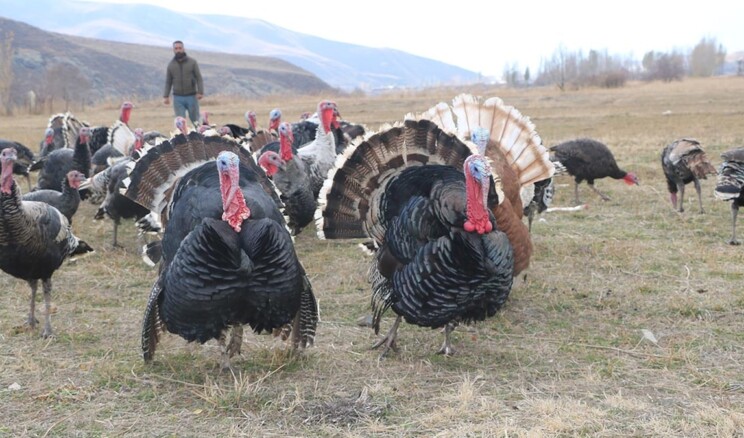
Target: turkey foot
[447, 349]
[389, 340]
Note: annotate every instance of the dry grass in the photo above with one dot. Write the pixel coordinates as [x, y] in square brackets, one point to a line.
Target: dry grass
[565, 357]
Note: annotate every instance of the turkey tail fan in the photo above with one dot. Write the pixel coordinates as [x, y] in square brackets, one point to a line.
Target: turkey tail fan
[700, 166]
[71, 127]
[261, 139]
[514, 134]
[691, 152]
[730, 182]
[151, 177]
[152, 326]
[441, 114]
[351, 192]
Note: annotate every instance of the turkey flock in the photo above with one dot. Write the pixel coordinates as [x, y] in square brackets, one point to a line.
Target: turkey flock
[437, 199]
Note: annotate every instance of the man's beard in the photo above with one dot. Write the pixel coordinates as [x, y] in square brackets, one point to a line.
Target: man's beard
[180, 55]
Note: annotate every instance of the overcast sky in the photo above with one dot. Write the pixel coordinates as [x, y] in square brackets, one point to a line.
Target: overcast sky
[484, 36]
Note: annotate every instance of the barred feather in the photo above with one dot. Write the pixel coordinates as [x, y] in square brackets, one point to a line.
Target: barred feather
[352, 190]
[155, 172]
[514, 134]
[730, 181]
[152, 325]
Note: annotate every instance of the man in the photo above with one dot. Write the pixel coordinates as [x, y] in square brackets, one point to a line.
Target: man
[184, 77]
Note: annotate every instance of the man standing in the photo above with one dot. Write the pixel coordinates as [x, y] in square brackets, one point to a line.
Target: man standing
[184, 77]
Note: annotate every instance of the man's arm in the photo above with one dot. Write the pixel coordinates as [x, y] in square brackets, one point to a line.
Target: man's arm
[199, 81]
[168, 85]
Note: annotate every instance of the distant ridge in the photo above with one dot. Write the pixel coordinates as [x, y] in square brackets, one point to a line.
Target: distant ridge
[341, 65]
[121, 70]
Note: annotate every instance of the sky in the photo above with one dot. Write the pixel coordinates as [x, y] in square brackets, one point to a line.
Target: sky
[486, 35]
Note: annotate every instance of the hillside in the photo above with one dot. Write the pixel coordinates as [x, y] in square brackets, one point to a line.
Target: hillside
[342, 65]
[121, 70]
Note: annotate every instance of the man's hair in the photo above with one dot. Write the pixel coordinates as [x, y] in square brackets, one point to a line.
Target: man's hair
[177, 42]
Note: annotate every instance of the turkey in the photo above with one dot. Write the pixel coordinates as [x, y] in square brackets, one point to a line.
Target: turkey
[320, 154]
[228, 259]
[54, 167]
[516, 153]
[115, 205]
[684, 161]
[289, 173]
[242, 133]
[540, 201]
[344, 132]
[588, 159]
[730, 185]
[67, 201]
[98, 138]
[120, 136]
[104, 156]
[424, 198]
[66, 127]
[275, 118]
[25, 158]
[35, 239]
[51, 135]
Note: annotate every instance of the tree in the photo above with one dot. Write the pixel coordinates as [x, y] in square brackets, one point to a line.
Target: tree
[6, 71]
[65, 81]
[706, 57]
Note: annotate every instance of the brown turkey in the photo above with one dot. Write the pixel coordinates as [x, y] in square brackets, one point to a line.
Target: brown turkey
[684, 161]
[730, 185]
[588, 160]
[35, 239]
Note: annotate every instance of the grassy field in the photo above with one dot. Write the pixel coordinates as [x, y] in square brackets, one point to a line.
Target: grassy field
[566, 356]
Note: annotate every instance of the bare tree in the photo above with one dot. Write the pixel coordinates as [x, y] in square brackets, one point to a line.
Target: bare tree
[6, 71]
[706, 57]
[666, 67]
[65, 81]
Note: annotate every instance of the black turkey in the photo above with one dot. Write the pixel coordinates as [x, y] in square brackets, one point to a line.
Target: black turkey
[587, 160]
[108, 183]
[730, 185]
[54, 167]
[515, 152]
[24, 161]
[67, 201]
[228, 259]
[244, 133]
[35, 238]
[53, 139]
[425, 199]
[289, 173]
[684, 161]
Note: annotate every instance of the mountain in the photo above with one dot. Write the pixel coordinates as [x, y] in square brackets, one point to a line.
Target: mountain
[87, 70]
[345, 66]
